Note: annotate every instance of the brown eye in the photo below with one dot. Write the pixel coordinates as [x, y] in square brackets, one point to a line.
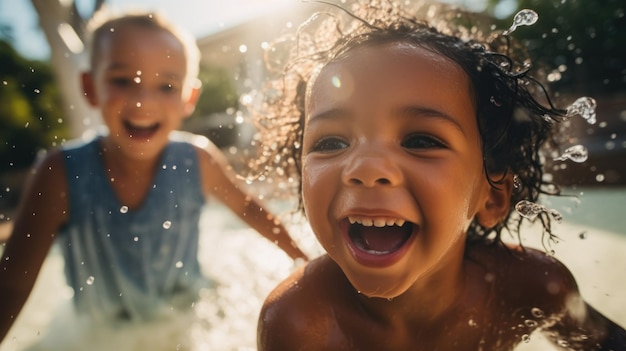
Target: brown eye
[421, 141]
[329, 144]
[120, 81]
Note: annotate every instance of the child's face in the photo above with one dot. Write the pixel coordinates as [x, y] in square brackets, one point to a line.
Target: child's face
[137, 83]
[390, 137]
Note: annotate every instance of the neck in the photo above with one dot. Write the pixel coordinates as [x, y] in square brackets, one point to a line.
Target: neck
[116, 161]
[431, 297]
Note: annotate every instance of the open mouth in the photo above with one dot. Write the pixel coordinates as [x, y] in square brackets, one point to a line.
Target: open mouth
[141, 131]
[379, 237]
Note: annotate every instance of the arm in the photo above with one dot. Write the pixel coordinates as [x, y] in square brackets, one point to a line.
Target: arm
[42, 209]
[288, 319]
[218, 180]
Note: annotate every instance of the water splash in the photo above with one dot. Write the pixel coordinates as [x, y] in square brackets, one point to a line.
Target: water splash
[531, 210]
[524, 17]
[576, 153]
[585, 107]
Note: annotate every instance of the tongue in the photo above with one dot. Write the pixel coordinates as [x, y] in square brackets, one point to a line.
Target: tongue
[383, 239]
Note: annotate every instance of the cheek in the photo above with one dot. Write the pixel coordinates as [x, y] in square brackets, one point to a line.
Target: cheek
[310, 181]
[319, 181]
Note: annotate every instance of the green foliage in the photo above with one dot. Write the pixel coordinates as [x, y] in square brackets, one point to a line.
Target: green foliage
[31, 116]
[218, 92]
[584, 38]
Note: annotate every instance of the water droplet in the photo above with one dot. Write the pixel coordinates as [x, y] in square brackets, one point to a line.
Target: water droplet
[124, 209]
[90, 280]
[531, 323]
[135, 239]
[556, 215]
[276, 230]
[530, 210]
[179, 264]
[137, 80]
[585, 107]
[600, 178]
[563, 343]
[576, 153]
[494, 101]
[472, 323]
[516, 182]
[138, 104]
[524, 17]
[167, 225]
[526, 338]
[537, 312]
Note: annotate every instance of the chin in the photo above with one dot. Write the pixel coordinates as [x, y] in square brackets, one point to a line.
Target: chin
[384, 285]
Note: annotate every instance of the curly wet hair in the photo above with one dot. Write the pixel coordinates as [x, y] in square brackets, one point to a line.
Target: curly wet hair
[515, 115]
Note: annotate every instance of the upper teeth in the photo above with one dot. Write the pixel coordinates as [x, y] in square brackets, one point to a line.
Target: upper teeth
[376, 222]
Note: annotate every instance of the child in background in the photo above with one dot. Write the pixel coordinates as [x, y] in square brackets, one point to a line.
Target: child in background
[125, 206]
[410, 145]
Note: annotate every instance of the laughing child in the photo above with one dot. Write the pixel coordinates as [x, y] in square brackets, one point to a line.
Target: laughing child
[125, 206]
[410, 145]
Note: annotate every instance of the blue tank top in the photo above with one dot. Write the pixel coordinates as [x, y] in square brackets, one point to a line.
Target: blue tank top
[132, 264]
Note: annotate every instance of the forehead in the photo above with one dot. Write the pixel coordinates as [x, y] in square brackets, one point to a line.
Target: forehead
[395, 72]
[131, 42]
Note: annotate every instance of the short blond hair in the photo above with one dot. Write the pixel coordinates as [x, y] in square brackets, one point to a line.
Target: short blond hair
[104, 23]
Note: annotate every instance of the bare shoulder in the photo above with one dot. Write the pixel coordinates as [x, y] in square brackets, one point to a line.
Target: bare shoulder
[301, 308]
[527, 279]
[47, 178]
[532, 290]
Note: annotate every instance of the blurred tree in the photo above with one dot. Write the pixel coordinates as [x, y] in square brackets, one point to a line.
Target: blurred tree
[218, 91]
[65, 29]
[581, 41]
[30, 114]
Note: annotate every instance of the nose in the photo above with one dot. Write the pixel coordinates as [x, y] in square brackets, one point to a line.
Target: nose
[142, 96]
[372, 168]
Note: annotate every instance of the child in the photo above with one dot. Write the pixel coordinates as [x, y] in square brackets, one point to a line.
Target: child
[410, 147]
[125, 206]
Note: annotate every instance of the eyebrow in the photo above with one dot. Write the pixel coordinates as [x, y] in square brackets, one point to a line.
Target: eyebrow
[118, 66]
[423, 111]
[405, 111]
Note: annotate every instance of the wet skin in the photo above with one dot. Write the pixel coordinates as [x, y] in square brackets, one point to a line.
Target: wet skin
[391, 138]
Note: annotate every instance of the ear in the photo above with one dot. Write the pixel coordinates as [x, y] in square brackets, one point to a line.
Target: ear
[192, 97]
[497, 202]
[89, 89]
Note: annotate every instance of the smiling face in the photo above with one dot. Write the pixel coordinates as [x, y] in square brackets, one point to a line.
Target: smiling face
[392, 166]
[138, 84]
